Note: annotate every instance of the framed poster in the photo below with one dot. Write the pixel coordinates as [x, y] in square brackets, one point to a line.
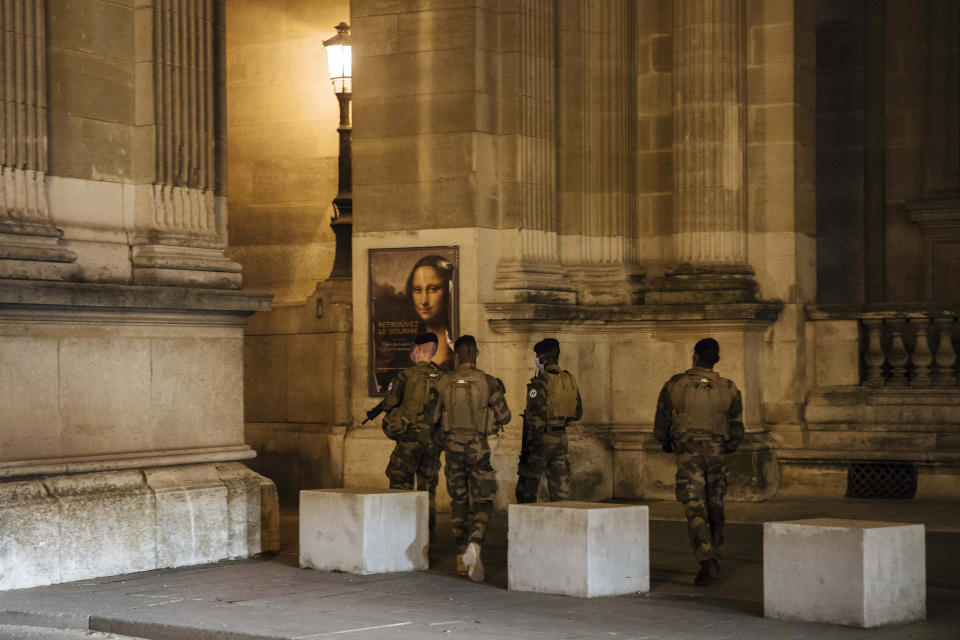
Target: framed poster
[412, 291]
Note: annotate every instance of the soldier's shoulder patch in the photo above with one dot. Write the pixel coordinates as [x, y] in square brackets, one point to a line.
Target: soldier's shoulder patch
[533, 393]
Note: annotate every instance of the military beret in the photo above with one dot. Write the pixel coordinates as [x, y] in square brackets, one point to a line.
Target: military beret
[425, 338]
[465, 340]
[547, 345]
[707, 345]
[708, 350]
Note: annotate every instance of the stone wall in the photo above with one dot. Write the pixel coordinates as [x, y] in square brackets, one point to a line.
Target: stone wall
[282, 156]
[297, 403]
[887, 180]
[282, 126]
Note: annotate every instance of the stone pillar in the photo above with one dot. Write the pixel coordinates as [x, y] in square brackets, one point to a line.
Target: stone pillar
[28, 238]
[529, 266]
[182, 223]
[709, 145]
[608, 271]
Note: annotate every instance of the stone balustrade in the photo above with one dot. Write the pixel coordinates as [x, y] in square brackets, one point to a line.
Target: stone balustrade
[902, 345]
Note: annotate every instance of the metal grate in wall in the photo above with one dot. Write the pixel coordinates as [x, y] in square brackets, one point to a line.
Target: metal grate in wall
[896, 480]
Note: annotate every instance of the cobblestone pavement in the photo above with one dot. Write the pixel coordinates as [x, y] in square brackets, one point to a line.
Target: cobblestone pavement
[271, 598]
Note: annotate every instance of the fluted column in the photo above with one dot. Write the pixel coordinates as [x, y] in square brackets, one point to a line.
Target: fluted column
[183, 237]
[529, 261]
[609, 268]
[28, 237]
[709, 148]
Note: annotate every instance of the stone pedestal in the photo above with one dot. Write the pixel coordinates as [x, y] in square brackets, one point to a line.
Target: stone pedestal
[363, 531]
[75, 526]
[857, 573]
[122, 427]
[581, 549]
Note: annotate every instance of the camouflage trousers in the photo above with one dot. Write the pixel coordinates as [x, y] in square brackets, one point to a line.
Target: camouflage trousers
[701, 485]
[472, 484]
[416, 456]
[545, 454]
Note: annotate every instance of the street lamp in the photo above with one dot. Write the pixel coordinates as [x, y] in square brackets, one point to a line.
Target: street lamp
[339, 59]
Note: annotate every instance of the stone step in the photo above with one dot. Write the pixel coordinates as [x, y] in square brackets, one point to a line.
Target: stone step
[914, 414]
[872, 441]
[871, 438]
[842, 456]
[938, 427]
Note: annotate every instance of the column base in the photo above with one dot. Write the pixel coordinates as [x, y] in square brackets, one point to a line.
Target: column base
[533, 281]
[166, 265]
[609, 284]
[705, 284]
[32, 251]
[64, 527]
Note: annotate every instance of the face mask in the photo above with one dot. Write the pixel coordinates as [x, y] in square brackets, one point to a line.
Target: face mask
[538, 364]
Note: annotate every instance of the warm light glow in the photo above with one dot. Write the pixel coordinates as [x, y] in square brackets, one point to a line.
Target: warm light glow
[339, 59]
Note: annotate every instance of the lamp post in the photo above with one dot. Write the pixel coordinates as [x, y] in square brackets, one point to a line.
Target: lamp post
[339, 59]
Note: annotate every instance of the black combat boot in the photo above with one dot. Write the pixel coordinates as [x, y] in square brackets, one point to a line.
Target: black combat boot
[709, 570]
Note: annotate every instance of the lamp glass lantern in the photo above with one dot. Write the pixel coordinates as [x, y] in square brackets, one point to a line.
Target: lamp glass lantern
[340, 59]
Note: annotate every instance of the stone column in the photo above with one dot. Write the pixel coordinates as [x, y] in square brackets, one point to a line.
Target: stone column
[28, 238]
[529, 263]
[608, 271]
[182, 225]
[709, 145]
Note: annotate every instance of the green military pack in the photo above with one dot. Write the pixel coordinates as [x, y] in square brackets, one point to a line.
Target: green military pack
[465, 406]
[419, 383]
[561, 395]
[701, 400]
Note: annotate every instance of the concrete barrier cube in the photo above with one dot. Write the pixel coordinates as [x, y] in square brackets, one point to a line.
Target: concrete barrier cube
[850, 572]
[582, 549]
[363, 531]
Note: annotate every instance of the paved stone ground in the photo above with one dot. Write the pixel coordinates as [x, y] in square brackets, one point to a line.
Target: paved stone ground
[272, 598]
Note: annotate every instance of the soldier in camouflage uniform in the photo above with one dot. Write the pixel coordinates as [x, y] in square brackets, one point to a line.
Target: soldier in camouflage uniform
[410, 401]
[699, 417]
[471, 407]
[553, 401]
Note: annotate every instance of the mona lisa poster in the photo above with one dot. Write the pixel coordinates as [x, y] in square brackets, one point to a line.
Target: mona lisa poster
[412, 291]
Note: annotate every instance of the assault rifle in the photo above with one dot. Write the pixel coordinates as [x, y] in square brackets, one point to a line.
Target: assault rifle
[373, 413]
[524, 441]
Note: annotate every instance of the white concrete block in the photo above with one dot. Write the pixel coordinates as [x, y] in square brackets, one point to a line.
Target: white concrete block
[582, 549]
[363, 531]
[851, 572]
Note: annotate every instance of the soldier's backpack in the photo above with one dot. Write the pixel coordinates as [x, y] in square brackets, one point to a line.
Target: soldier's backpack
[416, 393]
[420, 382]
[701, 400]
[465, 408]
[561, 395]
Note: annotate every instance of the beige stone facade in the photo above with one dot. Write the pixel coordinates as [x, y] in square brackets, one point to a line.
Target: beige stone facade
[121, 323]
[630, 176]
[625, 175]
